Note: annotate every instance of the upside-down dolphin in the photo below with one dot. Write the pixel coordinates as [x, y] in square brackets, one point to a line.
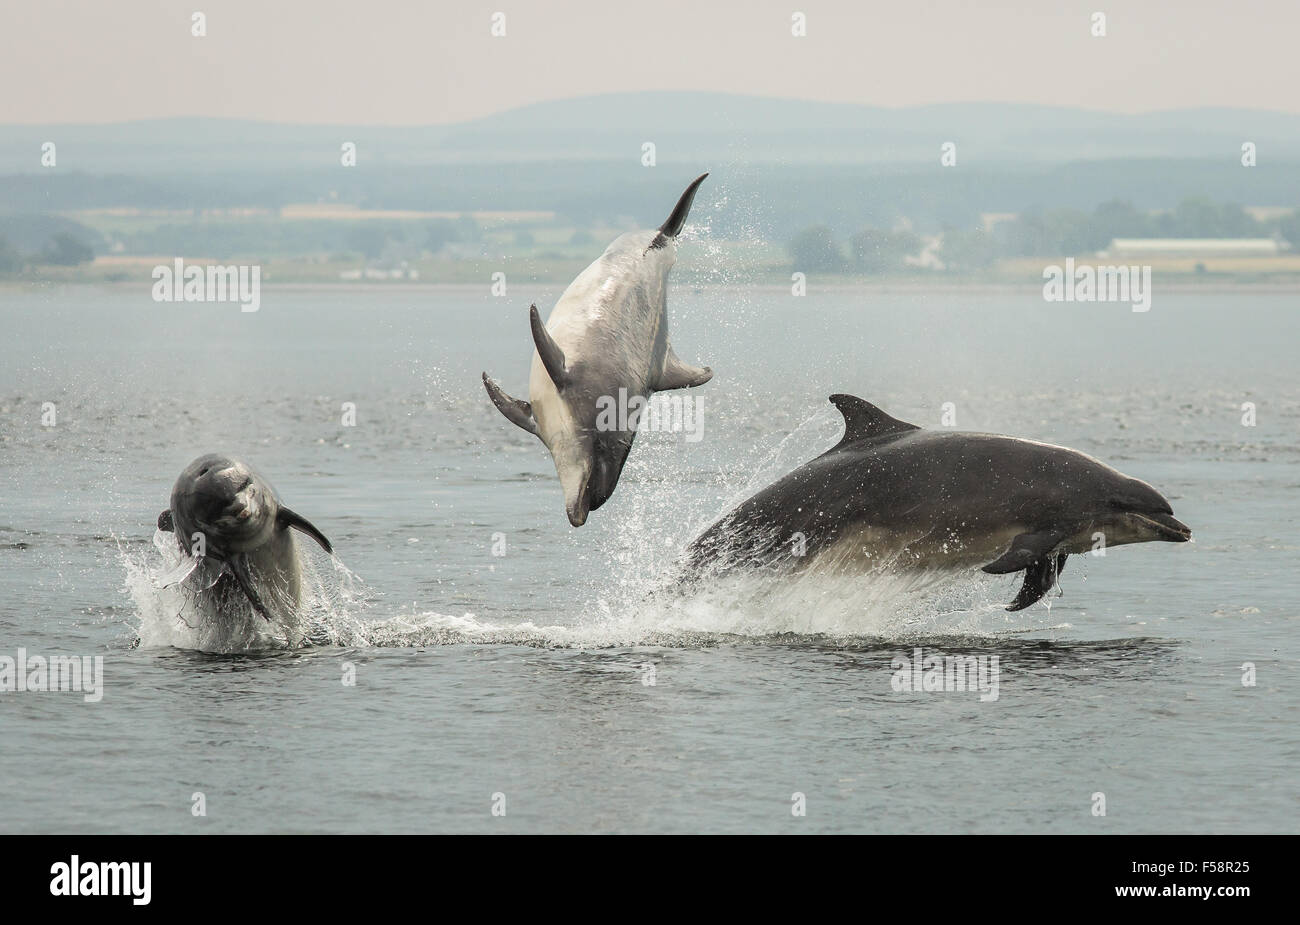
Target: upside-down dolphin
[891, 495]
[606, 341]
[236, 538]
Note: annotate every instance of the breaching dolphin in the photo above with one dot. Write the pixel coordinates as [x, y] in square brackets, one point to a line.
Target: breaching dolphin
[606, 342]
[891, 495]
[235, 537]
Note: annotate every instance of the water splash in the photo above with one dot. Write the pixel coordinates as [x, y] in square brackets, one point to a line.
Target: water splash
[756, 608]
[174, 613]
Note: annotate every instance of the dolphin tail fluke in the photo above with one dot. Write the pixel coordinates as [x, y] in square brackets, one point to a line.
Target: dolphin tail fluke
[672, 227]
[287, 518]
[244, 576]
[679, 375]
[1040, 577]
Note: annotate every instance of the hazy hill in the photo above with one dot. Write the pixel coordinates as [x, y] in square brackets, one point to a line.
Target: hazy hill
[687, 128]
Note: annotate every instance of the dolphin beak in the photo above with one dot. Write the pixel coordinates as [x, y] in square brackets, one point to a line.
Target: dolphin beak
[574, 470]
[577, 509]
[1167, 527]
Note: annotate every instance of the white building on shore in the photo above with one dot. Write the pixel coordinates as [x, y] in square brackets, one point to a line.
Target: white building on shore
[1195, 247]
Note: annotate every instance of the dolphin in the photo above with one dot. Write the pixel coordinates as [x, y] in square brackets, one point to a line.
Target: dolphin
[228, 518]
[891, 495]
[605, 342]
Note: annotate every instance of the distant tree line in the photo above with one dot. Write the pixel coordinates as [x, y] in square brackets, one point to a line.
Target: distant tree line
[63, 250]
[1070, 231]
[1051, 233]
[870, 250]
[373, 239]
[41, 239]
[598, 193]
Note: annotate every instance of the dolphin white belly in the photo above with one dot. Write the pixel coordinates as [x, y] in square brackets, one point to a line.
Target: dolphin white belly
[605, 342]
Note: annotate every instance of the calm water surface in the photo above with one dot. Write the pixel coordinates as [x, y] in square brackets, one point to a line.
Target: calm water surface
[527, 674]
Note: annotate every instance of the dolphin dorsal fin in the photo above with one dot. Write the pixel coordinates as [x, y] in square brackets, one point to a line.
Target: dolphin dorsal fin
[557, 367]
[864, 421]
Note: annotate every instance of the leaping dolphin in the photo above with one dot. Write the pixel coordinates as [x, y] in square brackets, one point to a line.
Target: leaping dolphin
[891, 495]
[606, 341]
[235, 537]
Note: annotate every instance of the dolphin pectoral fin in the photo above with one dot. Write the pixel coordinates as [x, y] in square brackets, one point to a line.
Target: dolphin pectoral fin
[1026, 549]
[552, 356]
[1040, 577]
[183, 568]
[165, 522]
[519, 413]
[679, 375]
[244, 576]
[287, 518]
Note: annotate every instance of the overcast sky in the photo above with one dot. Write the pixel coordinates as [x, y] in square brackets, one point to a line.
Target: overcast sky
[435, 61]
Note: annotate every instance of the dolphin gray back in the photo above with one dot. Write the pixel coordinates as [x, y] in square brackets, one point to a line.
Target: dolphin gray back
[889, 476]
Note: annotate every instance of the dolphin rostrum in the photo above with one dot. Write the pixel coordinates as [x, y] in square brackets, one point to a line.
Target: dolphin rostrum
[606, 341]
[891, 495]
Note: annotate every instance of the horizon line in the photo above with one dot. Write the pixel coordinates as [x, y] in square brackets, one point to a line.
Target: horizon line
[663, 93]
